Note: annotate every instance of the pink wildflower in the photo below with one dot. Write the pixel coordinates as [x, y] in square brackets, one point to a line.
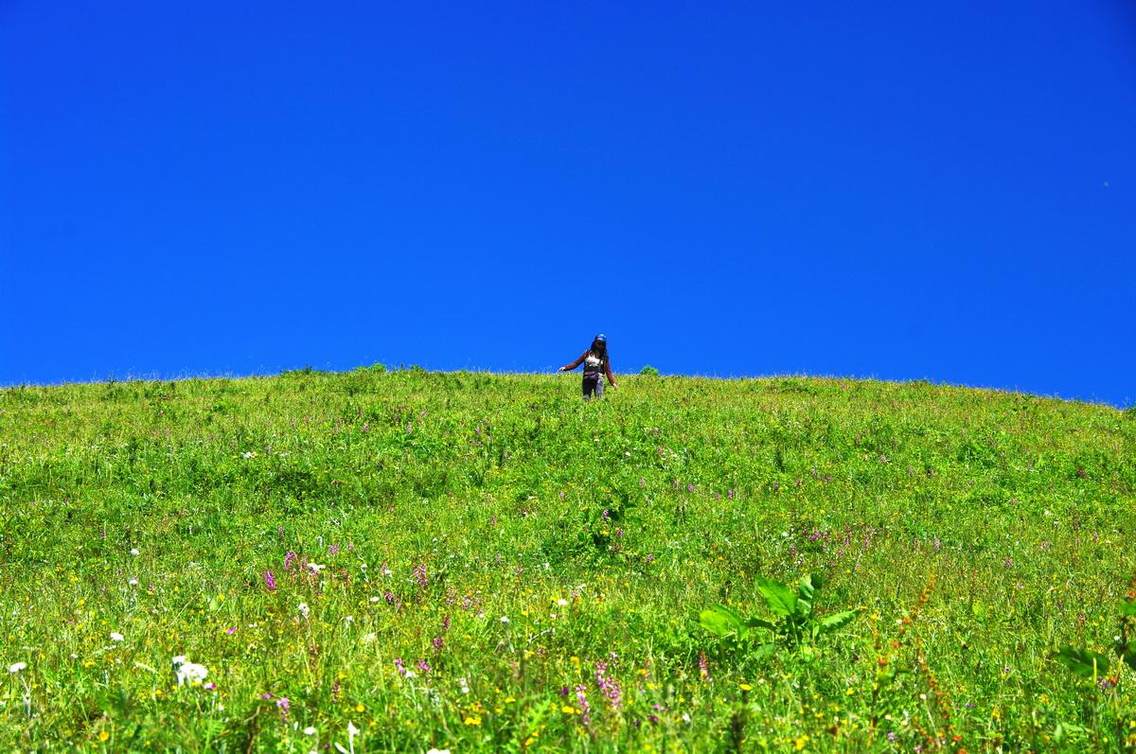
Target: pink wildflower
[270, 581]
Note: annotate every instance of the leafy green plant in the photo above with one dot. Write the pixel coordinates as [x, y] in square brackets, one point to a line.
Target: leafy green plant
[792, 623]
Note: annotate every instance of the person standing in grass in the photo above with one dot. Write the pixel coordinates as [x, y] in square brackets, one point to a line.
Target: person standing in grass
[597, 365]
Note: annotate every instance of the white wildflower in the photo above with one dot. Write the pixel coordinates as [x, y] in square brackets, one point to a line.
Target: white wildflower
[16, 667]
[134, 551]
[505, 619]
[132, 581]
[316, 567]
[310, 731]
[116, 636]
[304, 610]
[189, 672]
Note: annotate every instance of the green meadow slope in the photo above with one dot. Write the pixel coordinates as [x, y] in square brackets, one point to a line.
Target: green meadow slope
[410, 560]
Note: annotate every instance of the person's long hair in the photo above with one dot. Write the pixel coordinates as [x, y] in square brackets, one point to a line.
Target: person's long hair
[598, 348]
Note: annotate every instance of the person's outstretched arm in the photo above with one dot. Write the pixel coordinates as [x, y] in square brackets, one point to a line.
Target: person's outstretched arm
[574, 364]
[607, 369]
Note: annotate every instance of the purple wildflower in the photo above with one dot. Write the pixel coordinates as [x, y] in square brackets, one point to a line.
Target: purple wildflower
[564, 691]
[290, 558]
[333, 550]
[585, 708]
[438, 641]
[270, 581]
[420, 576]
[690, 488]
[608, 686]
[703, 666]
[389, 597]
[606, 514]
[283, 705]
[892, 736]
[266, 696]
[424, 666]
[400, 667]
[231, 630]
[446, 623]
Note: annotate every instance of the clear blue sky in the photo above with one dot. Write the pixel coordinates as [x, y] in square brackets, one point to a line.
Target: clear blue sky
[899, 190]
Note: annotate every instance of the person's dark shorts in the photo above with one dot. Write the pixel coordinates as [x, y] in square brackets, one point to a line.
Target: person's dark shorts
[593, 386]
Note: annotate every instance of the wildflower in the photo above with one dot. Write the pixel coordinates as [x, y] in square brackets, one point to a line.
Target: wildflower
[270, 581]
[703, 666]
[561, 602]
[438, 751]
[402, 668]
[283, 704]
[389, 597]
[505, 619]
[304, 610]
[333, 550]
[116, 636]
[585, 708]
[424, 666]
[800, 741]
[891, 736]
[209, 686]
[474, 720]
[608, 686]
[290, 558]
[376, 600]
[132, 581]
[16, 667]
[463, 685]
[420, 576]
[745, 687]
[189, 672]
[310, 730]
[231, 630]
[385, 570]
[360, 708]
[134, 551]
[248, 454]
[315, 567]
[438, 642]
[103, 735]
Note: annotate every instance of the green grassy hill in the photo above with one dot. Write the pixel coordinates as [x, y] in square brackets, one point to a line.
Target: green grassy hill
[480, 563]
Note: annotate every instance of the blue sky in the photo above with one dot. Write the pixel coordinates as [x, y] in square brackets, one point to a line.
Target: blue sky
[941, 191]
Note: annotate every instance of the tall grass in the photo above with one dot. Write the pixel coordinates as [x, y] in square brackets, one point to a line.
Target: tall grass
[480, 563]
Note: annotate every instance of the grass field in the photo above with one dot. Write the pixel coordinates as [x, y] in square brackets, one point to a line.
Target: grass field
[404, 560]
